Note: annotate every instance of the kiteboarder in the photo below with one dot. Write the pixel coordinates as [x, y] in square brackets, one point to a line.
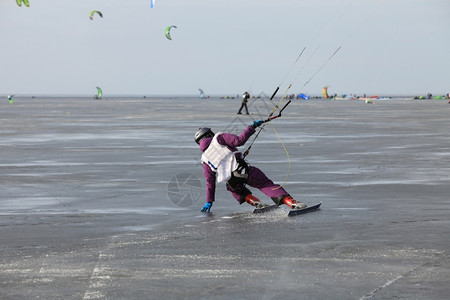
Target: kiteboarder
[245, 98]
[224, 163]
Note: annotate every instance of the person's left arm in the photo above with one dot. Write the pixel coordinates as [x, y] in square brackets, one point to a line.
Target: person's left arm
[233, 140]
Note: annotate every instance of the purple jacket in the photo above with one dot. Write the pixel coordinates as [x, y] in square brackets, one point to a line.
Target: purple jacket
[232, 141]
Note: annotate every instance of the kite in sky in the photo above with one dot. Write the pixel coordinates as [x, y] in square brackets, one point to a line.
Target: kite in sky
[19, 2]
[91, 14]
[168, 28]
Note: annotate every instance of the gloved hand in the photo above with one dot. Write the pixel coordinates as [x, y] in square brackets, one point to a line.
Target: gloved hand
[206, 207]
[257, 123]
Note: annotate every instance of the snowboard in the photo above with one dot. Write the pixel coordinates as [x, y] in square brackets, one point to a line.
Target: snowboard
[265, 209]
[296, 212]
[292, 212]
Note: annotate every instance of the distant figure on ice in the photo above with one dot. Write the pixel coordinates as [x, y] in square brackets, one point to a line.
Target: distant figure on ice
[224, 163]
[245, 98]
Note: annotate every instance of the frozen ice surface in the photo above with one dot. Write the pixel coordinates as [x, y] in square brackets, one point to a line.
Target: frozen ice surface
[91, 192]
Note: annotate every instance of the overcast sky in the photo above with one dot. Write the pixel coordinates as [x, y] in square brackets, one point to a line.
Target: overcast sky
[225, 47]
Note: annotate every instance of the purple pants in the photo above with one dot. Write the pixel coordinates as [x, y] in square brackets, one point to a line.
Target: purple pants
[259, 180]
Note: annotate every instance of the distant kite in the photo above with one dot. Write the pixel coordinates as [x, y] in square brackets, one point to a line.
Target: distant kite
[202, 94]
[168, 28]
[152, 3]
[303, 96]
[19, 2]
[10, 98]
[99, 93]
[91, 14]
[325, 92]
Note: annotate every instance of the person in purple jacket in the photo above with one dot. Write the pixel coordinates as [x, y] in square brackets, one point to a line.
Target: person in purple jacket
[222, 162]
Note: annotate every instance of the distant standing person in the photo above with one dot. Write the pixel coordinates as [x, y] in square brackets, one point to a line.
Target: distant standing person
[245, 98]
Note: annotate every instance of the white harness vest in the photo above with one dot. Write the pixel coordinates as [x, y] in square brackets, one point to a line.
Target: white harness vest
[220, 159]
